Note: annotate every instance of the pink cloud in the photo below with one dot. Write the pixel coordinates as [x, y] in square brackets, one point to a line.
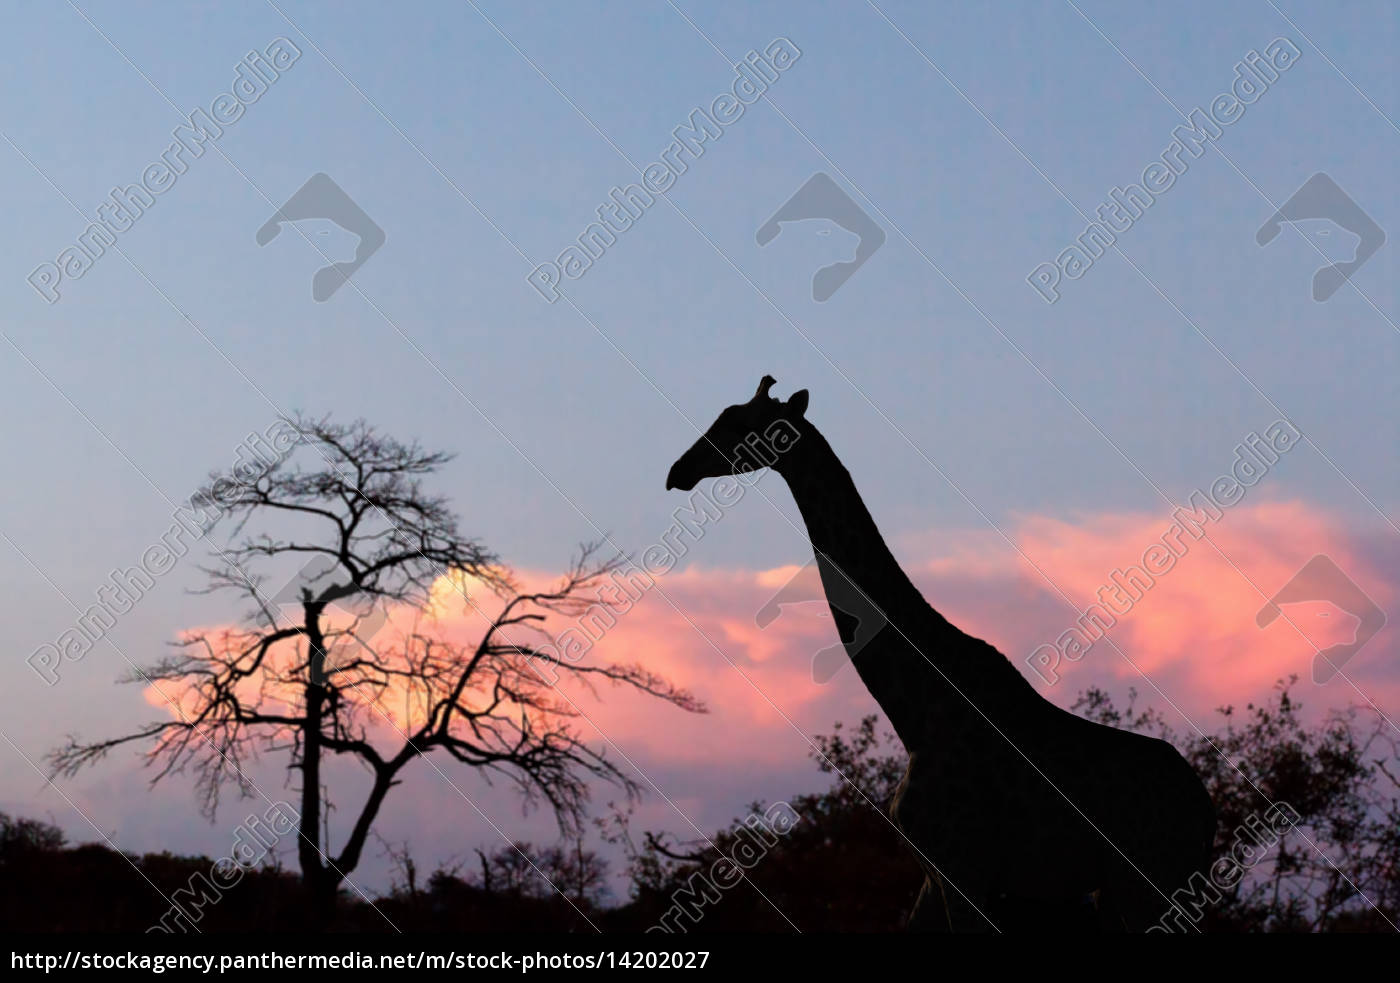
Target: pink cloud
[1193, 633]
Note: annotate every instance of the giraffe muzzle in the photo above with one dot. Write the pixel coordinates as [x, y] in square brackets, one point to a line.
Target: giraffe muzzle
[676, 478]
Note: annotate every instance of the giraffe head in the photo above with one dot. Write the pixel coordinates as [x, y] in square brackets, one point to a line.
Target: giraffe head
[743, 438]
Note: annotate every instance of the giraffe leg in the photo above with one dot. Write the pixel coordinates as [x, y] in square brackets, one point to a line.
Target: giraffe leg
[929, 913]
[940, 908]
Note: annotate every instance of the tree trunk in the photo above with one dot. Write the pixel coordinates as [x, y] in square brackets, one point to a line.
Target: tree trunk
[319, 882]
[321, 892]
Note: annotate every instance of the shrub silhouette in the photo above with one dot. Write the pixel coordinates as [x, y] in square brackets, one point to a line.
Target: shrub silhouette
[842, 867]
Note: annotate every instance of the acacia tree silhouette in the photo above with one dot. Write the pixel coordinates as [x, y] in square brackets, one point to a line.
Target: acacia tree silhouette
[311, 686]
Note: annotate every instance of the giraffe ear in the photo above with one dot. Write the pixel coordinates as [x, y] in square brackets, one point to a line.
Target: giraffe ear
[798, 402]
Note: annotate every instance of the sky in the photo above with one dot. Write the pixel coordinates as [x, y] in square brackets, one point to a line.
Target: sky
[1014, 451]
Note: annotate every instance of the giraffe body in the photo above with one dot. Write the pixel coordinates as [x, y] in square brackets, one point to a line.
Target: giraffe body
[1006, 796]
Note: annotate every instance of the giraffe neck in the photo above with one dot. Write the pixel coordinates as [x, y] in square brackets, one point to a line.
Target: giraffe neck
[894, 637]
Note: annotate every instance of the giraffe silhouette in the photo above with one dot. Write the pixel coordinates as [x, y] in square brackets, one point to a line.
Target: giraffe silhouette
[1006, 796]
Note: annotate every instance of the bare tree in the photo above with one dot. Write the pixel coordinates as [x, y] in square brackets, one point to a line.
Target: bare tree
[350, 508]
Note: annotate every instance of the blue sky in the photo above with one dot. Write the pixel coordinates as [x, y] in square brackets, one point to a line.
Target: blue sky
[482, 137]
